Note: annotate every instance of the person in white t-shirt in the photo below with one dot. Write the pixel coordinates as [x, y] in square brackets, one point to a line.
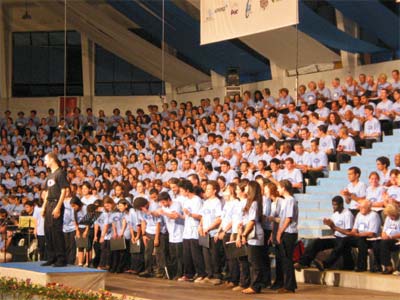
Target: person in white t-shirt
[318, 163]
[341, 222]
[346, 147]
[211, 212]
[293, 175]
[172, 213]
[384, 112]
[355, 191]
[396, 108]
[192, 256]
[389, 237]
[366, 225]
[372, 128]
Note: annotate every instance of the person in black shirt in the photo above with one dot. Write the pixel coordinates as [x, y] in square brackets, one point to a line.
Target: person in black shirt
[53, 212]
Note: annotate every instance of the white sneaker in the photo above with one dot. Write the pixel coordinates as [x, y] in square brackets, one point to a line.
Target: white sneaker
[200, 280]
[215, 281]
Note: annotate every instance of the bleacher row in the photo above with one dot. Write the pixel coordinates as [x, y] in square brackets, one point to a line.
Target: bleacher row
[315, 204]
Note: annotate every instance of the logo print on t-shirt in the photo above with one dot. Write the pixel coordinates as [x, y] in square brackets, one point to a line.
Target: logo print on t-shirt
[51, 182]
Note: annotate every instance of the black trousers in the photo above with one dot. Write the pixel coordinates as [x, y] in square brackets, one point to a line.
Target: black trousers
[55, 244]
[137, 259]
[148, 253]
[385, 249]
[176, 259]
[313, 176]
[70, 247]
[97, 254]
[162, 252]
[256, 258]
[342, 157]
[193, 258]
[362, 246]
[286, 249]
[244, 267]
[120, 259]
[232, 264]
[367, 143]
[338, 246]
[105, 254]
[42, 247]
[267, 262]
[212, 259]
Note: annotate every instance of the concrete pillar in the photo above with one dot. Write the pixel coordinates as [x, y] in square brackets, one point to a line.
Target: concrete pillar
[350, 61]
[217, 81]
[88, 75]
[5, 86]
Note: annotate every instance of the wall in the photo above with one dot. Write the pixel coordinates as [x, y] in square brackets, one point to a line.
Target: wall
[134, 102]
[42, 105]
[290, 82]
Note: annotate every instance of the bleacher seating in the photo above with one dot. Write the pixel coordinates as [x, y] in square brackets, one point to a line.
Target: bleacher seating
[315, 204]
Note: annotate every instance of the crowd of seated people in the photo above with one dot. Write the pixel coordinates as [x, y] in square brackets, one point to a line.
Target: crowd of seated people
[223, 144]
[371, 221]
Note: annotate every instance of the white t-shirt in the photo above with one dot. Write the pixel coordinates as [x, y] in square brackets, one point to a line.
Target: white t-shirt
[294, 176]
[37, 214]
[391, 227]
[394, 192]
[211, 210]
[174, 226]
[372, 126]
[193, 205]
[374, 194]
[237, 215]
[227, 212]
[348, 144]
[384, 106]
[344, 220]
[289, 209]
[251, 215]
[368, 223]
[359, 190]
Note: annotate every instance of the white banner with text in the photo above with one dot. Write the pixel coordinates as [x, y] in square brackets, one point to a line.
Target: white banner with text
[227, 19]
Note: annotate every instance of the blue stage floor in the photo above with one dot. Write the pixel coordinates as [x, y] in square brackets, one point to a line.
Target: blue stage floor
[35, 267]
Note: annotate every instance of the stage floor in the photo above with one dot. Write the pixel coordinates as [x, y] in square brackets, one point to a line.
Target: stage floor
[153, 289]
[71, 276]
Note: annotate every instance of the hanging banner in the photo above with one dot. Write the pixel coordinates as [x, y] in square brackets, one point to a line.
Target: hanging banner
[228, 19]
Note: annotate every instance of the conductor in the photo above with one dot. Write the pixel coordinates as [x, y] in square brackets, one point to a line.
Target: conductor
[53, 212]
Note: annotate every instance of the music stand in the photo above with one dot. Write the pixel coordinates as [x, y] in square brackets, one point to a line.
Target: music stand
[26, 222]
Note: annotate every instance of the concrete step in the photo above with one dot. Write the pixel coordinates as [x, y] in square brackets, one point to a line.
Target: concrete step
[350, 279]
[314, 213]
[315, 231]
[326, 190]
[311, 222]
[313, 204]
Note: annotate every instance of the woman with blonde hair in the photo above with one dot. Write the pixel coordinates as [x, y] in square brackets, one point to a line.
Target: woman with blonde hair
[390, 235]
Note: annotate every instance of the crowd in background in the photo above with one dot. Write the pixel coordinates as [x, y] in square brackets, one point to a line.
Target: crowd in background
[163, 178]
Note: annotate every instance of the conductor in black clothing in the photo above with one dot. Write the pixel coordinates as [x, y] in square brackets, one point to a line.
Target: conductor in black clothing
[53, 212]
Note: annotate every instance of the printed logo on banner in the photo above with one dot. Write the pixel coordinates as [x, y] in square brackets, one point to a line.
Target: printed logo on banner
[248, 8]
[221, 9]
[210, 15]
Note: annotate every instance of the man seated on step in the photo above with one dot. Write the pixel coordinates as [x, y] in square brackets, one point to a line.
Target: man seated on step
[341, 222]
[367, 226]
